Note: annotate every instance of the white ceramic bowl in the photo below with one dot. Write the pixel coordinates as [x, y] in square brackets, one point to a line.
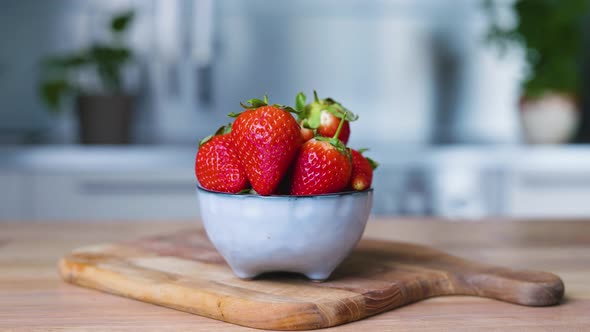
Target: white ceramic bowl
[311, 235]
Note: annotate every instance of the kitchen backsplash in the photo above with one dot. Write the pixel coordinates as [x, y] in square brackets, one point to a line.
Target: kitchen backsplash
[418, 72]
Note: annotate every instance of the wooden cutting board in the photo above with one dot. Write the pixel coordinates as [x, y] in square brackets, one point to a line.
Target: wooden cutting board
[184, 271]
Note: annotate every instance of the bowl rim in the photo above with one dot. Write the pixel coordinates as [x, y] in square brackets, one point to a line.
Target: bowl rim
[340, 194]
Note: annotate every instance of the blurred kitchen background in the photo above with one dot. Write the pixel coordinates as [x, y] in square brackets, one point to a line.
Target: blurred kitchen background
[473, 109]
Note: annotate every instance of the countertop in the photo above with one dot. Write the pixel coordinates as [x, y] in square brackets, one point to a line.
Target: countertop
[32, 297]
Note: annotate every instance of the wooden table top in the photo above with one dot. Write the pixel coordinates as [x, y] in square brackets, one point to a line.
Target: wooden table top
[32, 297]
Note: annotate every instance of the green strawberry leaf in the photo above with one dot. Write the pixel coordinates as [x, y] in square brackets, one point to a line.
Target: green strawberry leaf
[221, 131]
[330, 101]
[338, 110]
[314, 118]
[349, 115]
[300, 101]
[287, 108]
[235, 115]
[253, 103]
[290, 109]
[224, 130]
[333, 107]
[205, 140]
[372, 162]
[258, 103]
[335, 142]
[315, 97]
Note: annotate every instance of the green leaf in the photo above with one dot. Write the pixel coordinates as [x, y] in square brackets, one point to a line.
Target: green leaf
[541, 25]
[66, 62]
[286, 108]
[314, 118]
[339, 111]
[329, 101]
[205, 140]
[333, 107]
[53, 91]
[290, 109]
[362, 150]
[109, 62]
[372, 162]
[254, 103]
[235, 115]
[338, 144]
[300, 101]
[105, 54]
[223, 130]
[120, 22]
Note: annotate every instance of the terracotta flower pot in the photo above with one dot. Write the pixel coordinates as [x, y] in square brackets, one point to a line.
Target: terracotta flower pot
[551, 118]
[105, 119]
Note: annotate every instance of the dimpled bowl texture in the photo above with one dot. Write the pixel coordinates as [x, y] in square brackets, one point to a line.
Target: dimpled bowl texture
[311, 235]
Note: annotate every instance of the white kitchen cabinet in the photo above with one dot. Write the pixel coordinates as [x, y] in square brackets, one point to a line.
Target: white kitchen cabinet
[549, 194]
[97, 183]
[114, 196]
[158, 183]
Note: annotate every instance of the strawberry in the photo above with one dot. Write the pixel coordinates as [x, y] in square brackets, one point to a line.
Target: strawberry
[306, 133]
[267, 138]
[217, 166]
[328, 124]
[322, 166]
[324, 117]
[362, 170]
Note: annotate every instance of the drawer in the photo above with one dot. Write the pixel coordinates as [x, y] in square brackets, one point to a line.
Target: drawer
[128, 196]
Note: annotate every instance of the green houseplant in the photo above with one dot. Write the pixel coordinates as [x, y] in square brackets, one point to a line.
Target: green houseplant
[550, 33]
[104, 109]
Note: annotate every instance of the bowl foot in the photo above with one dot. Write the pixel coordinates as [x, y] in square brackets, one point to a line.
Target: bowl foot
[245, 275]
[318, 277]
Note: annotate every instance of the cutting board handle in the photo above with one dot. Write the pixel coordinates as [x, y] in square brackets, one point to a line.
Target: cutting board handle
[531, 288]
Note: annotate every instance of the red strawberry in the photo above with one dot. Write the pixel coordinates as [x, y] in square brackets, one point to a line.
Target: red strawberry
[217, 166]
[328, 125]
[322, 166]
[324, 116]
[362, 171]
[306, 133]
[267, 139]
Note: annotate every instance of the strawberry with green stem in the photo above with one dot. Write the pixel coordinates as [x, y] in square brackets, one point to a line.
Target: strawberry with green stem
[323, 116]
[217, 166]
[362, 170]
[323, 166]
[267, 138]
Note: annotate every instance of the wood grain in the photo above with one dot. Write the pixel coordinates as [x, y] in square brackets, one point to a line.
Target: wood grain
[184, 271]
[34, 298]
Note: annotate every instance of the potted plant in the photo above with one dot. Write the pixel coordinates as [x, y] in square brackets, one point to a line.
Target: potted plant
[103, 107]
[550, 33]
